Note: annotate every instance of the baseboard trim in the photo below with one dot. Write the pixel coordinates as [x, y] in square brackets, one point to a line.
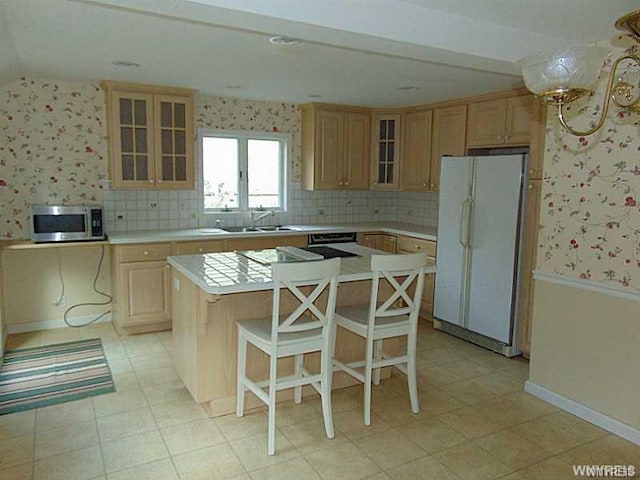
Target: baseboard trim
[52, 324]
[612, 290]
[590, 415]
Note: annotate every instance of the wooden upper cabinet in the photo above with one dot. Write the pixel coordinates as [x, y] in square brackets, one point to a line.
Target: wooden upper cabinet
[386, 151]
[151, 136]
[449, 134]
[506, 121]
[174, 144]
[416, 152]
[357, 158]
[335, 148]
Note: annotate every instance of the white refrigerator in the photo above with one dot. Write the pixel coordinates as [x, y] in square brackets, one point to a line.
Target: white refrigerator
[479, 230]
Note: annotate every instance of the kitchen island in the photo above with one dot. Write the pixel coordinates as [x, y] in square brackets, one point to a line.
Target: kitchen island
[211, 292]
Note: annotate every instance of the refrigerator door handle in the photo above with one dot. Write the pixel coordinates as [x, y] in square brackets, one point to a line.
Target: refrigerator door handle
[463, 232]
[462, 222]
[467, 233]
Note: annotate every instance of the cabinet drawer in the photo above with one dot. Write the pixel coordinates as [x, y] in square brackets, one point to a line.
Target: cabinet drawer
[144, 252]
[195, 248]
[416, 245]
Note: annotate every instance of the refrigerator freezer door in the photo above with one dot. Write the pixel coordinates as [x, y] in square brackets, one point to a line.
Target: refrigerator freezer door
[455, 190]
[494, 239]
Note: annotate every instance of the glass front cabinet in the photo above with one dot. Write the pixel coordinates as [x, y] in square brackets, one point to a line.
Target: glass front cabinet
[151, 138]
[386, 152]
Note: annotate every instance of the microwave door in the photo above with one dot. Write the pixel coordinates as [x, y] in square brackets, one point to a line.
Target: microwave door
[60, 226]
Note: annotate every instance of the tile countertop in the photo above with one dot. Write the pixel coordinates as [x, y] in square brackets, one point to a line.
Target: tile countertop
[145, 236]
[229, 272]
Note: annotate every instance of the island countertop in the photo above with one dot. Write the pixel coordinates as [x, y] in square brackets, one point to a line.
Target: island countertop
[229, 272]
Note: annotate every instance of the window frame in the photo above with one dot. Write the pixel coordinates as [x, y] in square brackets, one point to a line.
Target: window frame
[243, 136]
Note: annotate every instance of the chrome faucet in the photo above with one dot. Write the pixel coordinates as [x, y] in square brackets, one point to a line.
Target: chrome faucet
[263, 214]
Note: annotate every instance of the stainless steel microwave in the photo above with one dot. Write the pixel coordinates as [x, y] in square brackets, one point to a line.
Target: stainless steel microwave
[66, 223]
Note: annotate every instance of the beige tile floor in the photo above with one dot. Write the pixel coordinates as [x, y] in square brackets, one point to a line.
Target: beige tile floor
[476, 423]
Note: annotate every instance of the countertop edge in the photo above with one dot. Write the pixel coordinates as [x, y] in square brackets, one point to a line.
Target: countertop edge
[157, 237]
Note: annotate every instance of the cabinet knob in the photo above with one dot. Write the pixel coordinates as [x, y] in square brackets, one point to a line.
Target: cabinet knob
[151, 180]
[424, 184]
[346, 184]
[507, 137]
[418, 247]
[392, 240]
[375, 183]
[146, 252]
[200, 250]
[340, 183]
[531, 171]
[433, 185]
[530, 186]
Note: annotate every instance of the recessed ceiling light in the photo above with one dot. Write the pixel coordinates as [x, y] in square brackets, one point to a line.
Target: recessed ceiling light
[125, 63]
[282, 41]
[408, 87]
[233, 87]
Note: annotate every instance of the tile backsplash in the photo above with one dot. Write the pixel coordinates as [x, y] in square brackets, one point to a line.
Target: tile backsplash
[171, 209]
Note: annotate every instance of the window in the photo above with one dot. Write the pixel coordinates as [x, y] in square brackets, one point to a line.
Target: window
[242, 170]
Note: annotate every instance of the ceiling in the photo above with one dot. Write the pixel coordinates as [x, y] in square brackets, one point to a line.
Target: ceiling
[363, 52]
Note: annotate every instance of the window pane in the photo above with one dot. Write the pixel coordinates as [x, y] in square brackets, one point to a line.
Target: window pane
[140, 112]
[126, 111]
[220, 172]
[264, 173]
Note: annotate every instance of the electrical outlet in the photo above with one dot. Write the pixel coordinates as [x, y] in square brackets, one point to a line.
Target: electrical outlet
[153, 204]
[120, 216]
[60, 302]
[321, 212]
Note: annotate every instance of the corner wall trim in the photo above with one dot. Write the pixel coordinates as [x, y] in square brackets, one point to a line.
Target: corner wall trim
[590, 415]
[51, 324]
[590, 285]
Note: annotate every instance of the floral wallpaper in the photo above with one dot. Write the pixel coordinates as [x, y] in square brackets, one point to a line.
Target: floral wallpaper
[590, 210]
[52, 148]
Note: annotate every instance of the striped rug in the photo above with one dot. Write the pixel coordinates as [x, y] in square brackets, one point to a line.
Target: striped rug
[41, 376]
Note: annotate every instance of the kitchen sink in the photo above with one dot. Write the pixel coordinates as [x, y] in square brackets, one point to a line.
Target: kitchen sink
[274, 228]
[240, 229]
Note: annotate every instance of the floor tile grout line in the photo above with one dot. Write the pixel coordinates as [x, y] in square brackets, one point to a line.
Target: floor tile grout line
[104, 464]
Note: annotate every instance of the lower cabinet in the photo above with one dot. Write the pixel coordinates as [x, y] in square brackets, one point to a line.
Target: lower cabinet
[378, 241]
[418, 245]
[141, 285]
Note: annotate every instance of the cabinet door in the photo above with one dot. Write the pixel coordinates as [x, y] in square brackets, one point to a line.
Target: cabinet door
[145, 286]
[371, 240]
[328, 149]
[389, 243]
[486, 125]
[174, 142]
[529, 251]
[416, 151]
[131, 140]
[356, 158]
[519, 120]
[195, 248]
[449, 135]
[386, 152]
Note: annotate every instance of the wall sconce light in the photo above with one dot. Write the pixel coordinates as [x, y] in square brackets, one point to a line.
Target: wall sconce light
[563, 76]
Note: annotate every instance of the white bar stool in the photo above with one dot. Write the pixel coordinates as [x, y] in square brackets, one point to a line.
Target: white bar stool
[395, 316]
[307, 329]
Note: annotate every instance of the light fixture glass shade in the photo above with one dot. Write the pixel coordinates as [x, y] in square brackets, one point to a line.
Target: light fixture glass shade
[563, 75]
